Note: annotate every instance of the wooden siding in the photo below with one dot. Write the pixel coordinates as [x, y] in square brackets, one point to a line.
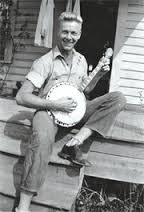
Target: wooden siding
[25, 52]
[23, 36]
[128, 63]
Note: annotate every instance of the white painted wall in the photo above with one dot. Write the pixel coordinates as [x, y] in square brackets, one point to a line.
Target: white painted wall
[128, 61]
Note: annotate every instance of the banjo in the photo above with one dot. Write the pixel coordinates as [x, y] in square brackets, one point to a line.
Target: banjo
[66, 89]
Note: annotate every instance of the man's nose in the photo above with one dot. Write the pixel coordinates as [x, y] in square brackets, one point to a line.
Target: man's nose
[69, 36]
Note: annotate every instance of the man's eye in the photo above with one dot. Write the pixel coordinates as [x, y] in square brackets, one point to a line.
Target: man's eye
[64, 32]
[74, 33]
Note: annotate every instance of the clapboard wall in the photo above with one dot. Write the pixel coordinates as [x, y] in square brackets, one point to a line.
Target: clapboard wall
[25, 52]
[128, 61]
[23, 38]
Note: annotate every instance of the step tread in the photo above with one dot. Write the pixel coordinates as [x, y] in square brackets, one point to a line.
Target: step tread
[59, 189]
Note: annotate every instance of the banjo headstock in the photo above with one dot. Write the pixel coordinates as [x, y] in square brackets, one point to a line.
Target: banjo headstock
[98, 72]
[105, 60]
[108, 53]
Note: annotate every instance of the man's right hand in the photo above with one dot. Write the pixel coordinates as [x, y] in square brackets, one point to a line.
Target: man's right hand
[64, 104]
[26, 98]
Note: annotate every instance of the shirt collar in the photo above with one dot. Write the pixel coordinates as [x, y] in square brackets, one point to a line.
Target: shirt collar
[57, 53]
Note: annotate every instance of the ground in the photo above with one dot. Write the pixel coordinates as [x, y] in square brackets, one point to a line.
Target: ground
[98, 195]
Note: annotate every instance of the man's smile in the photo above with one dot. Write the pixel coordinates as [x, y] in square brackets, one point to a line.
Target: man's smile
[68, 42]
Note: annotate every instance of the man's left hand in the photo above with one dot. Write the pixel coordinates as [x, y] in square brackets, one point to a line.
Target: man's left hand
[106, 68]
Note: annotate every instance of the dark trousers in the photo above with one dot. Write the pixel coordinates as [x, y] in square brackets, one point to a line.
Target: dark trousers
[100, 115]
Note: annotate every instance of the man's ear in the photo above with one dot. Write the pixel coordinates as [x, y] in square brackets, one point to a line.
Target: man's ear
[79, 36]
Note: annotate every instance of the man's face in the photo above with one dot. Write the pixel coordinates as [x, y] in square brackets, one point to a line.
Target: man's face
[68, 34]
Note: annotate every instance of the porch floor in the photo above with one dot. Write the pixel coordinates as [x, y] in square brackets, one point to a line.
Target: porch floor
[117, 157]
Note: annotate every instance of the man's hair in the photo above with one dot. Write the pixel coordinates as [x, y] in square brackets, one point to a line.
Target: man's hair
[70, 16]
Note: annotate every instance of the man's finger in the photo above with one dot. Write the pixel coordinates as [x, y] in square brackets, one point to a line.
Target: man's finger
[106, 68]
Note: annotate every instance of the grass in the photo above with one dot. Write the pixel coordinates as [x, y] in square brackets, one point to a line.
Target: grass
[99, 195]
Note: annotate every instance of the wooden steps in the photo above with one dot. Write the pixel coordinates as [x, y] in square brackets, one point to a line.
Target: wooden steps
[129, 125]
[63, 180]
[110, 158]
[115, 160]
[58, 191]
[7, 202]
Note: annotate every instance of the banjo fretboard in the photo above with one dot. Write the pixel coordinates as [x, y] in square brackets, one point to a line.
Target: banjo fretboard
[97, 73]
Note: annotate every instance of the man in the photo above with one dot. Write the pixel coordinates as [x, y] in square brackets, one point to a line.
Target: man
[62, 63]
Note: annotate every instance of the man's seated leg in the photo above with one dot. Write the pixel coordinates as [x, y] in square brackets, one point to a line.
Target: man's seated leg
[72, 150]
[37, 157]
[25, 200]
[100, 115]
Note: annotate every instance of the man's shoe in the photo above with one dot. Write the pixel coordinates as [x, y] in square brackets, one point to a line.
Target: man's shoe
[79, 159]
[67, 152]
[74, 155]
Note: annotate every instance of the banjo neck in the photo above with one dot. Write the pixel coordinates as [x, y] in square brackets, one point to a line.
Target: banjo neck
[97, 73]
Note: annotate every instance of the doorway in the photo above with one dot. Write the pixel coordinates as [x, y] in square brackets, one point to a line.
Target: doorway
[99, 27]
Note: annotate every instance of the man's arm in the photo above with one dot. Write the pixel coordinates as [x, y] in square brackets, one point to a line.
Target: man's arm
[26, 98]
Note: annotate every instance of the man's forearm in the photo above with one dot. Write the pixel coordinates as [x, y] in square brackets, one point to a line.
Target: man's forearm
[32, 101]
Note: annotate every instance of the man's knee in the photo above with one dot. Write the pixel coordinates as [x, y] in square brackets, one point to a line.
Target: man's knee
[43, 128]
[120, 98]
[39, 116]
[43, 121]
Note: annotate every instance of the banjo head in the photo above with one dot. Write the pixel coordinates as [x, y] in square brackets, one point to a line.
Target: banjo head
[65, 89]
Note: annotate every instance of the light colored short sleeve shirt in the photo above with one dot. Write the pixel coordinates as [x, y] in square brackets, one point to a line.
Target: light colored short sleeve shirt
[52, 68]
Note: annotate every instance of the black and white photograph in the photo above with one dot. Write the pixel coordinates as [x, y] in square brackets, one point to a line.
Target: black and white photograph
[71, 105]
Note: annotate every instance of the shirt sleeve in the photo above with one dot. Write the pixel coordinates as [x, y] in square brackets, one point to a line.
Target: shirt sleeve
[37, 74]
